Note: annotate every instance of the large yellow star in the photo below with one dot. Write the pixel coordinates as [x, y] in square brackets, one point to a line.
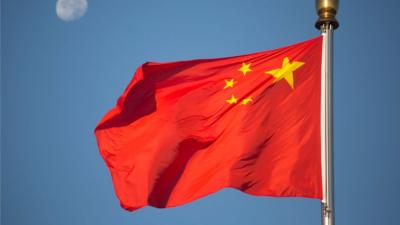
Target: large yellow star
[229, 83]
[245, 68]
[286, 71]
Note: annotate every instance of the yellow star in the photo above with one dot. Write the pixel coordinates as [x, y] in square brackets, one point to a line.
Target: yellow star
[229, 83]
[286, 71]
[245, 68]
[246, 101]
[232, 100]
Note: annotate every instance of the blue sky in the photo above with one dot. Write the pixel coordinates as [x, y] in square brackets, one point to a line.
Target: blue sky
[59, 78]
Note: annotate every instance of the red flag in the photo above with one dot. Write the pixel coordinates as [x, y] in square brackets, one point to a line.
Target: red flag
[183, 130]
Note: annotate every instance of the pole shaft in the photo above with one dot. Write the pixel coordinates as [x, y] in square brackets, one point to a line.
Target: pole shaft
[327, 154]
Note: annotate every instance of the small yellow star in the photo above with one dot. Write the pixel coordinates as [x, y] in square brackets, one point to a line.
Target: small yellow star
[245, 68]
[232, 100]
[246, 101]
[286, 71]
[229, 83]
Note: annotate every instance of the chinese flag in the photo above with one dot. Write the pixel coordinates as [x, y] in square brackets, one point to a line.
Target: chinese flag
[183, 130]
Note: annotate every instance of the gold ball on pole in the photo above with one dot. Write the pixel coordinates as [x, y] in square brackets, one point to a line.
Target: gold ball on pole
[326, 10]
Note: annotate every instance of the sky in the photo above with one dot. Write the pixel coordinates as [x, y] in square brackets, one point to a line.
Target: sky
[59, 77]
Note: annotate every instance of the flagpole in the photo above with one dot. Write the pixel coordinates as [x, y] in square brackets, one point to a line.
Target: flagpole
[326, 23]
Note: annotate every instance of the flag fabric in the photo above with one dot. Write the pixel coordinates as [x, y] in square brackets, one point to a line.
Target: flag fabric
[184, 130]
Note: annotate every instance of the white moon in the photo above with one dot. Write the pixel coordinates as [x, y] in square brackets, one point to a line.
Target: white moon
[69, 10]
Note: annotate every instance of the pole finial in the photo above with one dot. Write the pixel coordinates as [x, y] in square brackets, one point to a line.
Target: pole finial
[326, 10]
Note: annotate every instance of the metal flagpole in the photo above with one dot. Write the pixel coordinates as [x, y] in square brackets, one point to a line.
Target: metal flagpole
[326, 10]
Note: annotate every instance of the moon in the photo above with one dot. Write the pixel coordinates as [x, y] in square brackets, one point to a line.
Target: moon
[70, 10]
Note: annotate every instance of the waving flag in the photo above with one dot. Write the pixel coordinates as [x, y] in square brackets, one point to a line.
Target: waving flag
[184, 130]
